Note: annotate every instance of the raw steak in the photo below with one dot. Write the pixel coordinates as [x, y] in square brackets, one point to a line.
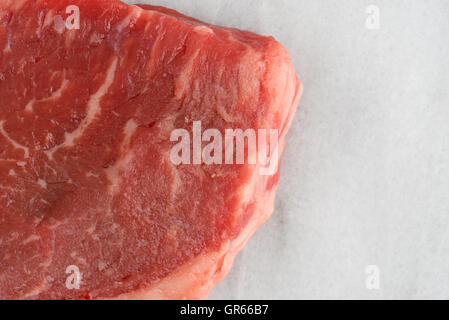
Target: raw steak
[86, 178]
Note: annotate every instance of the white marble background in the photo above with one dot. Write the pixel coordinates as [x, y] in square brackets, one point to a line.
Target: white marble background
[365, 178]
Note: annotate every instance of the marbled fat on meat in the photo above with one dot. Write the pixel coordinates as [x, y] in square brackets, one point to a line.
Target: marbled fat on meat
[85, 173]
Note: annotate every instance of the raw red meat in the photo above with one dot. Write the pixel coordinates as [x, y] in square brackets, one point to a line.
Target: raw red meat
[85, 173]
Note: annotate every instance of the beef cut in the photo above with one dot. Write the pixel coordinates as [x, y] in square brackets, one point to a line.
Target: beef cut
[91, 204]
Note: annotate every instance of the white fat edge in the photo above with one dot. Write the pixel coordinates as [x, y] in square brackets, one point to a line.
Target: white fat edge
[7, 48]
[29, 106]
[93, 110]
[93, 106]
[132, 17]
[181, 83]
[113, 172]
[49, 18]
[14, 143]
[58, 93]
[31, 238]
[203, 30]
[42, 183]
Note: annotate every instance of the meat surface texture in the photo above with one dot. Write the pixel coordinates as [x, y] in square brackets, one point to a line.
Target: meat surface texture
[86, 117]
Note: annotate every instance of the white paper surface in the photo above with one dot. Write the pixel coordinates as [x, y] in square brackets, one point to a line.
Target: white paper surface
[365, 175]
